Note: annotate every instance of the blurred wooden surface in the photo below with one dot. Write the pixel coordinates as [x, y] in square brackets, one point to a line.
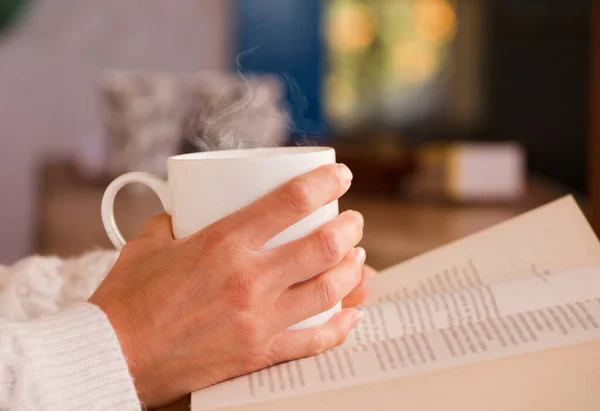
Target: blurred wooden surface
[69, 218]
[69, 221]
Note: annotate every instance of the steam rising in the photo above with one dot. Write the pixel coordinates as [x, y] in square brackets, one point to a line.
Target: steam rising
[249, 120]
[241, 104]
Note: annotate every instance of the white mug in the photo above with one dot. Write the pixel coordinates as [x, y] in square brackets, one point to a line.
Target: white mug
[204, 187]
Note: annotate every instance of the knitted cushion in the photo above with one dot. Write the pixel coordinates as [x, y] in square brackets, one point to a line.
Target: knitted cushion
[151, 116]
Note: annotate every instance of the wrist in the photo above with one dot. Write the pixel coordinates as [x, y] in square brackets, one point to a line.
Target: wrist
[133, 344]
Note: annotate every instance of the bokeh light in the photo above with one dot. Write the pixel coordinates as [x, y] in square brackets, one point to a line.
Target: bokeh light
[382, 51]
[344, 99]
[435, 19]
[415, 61]
[352, 28]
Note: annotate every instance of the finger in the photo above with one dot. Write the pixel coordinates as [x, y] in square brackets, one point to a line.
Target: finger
[369, 271]
[317, 252]
[289, 203]
[359, 295]
[321, 292]
[158, 227]
[294, 344]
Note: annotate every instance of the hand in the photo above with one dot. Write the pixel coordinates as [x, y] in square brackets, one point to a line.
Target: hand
[361, 291]
[193, 312]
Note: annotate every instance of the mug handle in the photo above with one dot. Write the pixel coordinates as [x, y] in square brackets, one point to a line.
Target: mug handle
[159, 186]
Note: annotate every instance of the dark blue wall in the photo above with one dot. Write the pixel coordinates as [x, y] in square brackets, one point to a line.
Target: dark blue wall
[288, 34]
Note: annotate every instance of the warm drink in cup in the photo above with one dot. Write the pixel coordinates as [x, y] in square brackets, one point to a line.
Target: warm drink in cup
[204, 187]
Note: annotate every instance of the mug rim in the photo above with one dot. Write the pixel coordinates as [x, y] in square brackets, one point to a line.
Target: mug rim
[257, 153]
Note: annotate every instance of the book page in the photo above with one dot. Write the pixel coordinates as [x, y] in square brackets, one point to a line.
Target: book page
[407, 337]
[455, 312]
[478, 315]
[553, 238]
[557, 379]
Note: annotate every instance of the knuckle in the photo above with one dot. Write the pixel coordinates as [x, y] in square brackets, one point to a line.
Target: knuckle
[218, 235]
[299, 196]
[248, 331]
[330, 245]
[327, 291]
[242, 292]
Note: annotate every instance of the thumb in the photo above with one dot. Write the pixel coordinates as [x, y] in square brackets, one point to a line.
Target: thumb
[159, 227]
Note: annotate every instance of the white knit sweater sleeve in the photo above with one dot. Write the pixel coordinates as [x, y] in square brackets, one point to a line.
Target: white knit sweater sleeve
[68, 361]
[58, 352]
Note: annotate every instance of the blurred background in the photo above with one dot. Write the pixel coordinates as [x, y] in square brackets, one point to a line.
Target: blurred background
[453, 114]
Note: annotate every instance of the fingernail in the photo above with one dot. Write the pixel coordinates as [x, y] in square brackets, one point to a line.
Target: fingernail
[344, 172]
[356, 318]
[359, 216]
[360, 255]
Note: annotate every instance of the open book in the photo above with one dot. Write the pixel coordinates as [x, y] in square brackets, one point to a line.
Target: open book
[506, 319]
